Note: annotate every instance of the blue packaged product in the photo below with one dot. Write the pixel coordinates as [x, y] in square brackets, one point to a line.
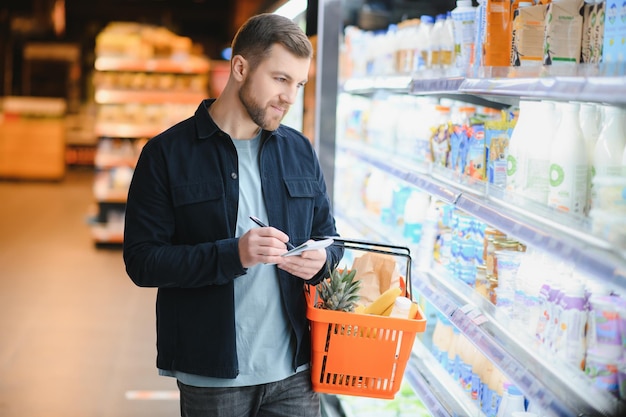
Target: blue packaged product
[497, 136]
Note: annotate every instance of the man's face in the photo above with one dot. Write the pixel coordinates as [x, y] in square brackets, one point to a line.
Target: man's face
[269, 90]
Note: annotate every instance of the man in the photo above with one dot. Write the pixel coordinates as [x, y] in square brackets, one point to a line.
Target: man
[231, 323]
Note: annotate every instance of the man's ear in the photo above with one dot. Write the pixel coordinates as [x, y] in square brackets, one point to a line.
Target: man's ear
[239, 67]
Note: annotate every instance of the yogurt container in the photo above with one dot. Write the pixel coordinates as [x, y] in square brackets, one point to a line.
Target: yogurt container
[603, 371]
[604, 325]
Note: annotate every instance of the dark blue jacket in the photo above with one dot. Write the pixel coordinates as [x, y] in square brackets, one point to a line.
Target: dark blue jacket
[179, 236]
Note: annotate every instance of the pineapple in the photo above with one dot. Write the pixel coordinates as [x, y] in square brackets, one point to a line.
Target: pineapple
[340, 292]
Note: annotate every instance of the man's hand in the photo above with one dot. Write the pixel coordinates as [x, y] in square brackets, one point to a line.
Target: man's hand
[262, 245]
[306, 265]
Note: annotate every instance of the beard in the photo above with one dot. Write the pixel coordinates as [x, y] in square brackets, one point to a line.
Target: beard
[257, 113]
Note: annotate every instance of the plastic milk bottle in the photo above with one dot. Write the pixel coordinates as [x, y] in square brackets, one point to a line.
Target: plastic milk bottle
[607, 155]
[538, 152]
[464, 17]
[518, 145]
[569, 163]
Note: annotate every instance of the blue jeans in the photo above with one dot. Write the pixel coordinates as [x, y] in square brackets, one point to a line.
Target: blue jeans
[291, 397]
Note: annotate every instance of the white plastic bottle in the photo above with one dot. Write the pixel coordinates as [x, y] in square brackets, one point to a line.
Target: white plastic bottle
[590, 125]
[401, 308]
[512, 401]
[608, 151]
[437, 36]
[447, 53]
[422, 43]
[537, 152]
[570, 336]
[518, 145]
[464, 18]
[569, 163]
[415, 212]
[430, 231]
[479, 37]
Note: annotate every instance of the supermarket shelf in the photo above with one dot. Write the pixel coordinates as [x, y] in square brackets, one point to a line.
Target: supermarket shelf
[367, 85]
[552, 384]
[127, 130]
[436, 85]
[111, 96]
[505, 85]
[555, 386]
[445, 86]
[560, 234]
[106, 235]
[112, 198]
[598, 89]
[188, 65]
[585, 82]
[438, 391]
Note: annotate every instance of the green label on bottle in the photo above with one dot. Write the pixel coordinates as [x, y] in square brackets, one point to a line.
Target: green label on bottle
[511, 166]
[556, 175]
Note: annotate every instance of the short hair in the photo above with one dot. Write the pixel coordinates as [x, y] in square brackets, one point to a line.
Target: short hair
[255, 38]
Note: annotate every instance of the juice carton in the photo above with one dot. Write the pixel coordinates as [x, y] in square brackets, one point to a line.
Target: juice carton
[460, 139]
[528, 34]
[593, 32]
[497, 135]
[614, 45]
[563, 34]
[497, 42]
[440, 136]
[475, 165]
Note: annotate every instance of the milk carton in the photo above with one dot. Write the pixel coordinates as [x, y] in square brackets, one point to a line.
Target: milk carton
[593, 32]
[528, 35]
[614, 45]
[563, 34]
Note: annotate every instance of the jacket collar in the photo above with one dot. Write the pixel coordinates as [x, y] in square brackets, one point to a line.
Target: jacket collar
[207, 128]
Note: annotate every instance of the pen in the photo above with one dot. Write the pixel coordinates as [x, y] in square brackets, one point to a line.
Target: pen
[260, 223]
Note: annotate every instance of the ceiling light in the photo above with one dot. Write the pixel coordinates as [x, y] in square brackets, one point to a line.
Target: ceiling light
[292, 8]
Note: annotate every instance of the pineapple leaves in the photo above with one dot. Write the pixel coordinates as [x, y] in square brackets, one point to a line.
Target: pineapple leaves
[340, 291]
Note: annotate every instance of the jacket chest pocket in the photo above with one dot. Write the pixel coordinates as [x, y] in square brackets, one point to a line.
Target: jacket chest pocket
[302, 194]
[198, 200]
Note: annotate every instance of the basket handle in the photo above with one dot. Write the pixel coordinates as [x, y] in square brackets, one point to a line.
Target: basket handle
[367, 246]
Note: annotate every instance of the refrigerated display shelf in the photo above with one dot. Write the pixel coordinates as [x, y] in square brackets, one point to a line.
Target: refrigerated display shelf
[587, 82]
[610, 90]
[503, 86]
[554, 385]
[560, 234]
[366, 85]
[439, 392]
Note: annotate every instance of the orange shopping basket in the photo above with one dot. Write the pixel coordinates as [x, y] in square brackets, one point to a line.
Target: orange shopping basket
[360, 354]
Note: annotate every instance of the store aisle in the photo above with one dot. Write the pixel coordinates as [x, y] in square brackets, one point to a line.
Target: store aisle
[76, 336]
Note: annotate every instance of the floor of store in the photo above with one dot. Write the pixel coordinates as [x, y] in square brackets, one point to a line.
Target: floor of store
[77, 337]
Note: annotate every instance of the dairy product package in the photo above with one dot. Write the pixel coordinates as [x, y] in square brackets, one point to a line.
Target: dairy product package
[497, 135]
[477, 60]
[464, 17]
[497, 42]
[476, 151]
[528, 35]
[563, 34]
[614, 44]
[593, 32]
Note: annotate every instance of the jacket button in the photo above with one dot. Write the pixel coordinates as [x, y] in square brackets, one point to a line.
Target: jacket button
[233, 175]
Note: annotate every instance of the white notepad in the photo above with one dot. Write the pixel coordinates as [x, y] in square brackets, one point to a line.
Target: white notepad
[316, 244]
